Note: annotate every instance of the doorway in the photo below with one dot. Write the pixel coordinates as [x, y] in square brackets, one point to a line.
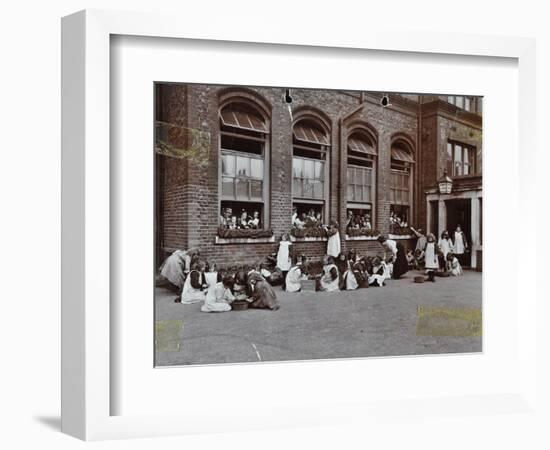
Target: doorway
[459, 212]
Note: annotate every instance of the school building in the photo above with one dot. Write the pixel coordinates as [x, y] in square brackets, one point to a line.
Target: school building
[276, 150]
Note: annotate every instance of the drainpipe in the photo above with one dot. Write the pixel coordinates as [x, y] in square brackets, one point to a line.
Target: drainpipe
[419, 190]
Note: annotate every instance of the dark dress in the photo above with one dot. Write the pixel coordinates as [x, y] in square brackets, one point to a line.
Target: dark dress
[400, 265]
[263, 295]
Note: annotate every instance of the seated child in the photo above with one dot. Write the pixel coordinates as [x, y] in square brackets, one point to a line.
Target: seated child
[411, 260]
[193, 288]
[330, 278]
[379, 272]
[240, 286]
[233, 225]
[295, 276]
[453, 265]
[219, 296]
[348, 282]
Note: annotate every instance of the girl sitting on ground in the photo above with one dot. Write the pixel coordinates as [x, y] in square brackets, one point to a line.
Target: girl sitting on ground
[295, 276]
[453, 265]
[240, 286]
[379, 272]
[330, 278]
[219, 295]
[262, 294]
[194, 287]
[348, 282]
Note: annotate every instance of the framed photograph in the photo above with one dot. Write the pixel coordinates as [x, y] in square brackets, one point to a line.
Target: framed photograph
[274, 230]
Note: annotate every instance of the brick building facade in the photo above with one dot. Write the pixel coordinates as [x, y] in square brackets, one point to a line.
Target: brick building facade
[220, 147]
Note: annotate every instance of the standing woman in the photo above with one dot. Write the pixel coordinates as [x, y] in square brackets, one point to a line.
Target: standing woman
[400, 264]
[333, 245]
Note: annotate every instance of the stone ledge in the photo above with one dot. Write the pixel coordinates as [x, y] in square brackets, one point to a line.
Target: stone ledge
[263, 240]
[397, 237]
[308, 239]
[361, 238]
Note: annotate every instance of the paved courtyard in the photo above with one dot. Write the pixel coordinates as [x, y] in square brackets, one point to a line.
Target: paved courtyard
[402, 318]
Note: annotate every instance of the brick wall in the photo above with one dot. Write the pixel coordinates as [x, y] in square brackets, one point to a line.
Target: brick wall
[190, 193]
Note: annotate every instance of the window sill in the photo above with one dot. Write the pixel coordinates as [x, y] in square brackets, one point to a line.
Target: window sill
[244, 240]
[361, 238]
[397, 237]
[308, 239]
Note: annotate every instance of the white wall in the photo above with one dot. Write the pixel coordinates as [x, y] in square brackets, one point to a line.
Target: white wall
[30, 178]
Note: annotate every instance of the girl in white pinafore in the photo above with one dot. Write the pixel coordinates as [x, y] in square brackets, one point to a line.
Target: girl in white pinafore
[283, 257]
[218, 295]
[333, 245]
[460, 244]
[294, 277]
[445, 244]
[193, 287]
[330, 280]
[431, 256]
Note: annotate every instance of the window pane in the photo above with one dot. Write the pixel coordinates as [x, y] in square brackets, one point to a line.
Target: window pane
[228, 165]
[298, 167]
[460, 102]
[228, 187]
[350, 191]
[243, 166]
[457, 160]
[257, 168]
[297, 187]
[256, 189]
[392, 195]
[242, 188]
[318, 189]
[309, 171]
[467, 103]
[369, 177]
[451, 99]
[308, 188]
[319, 170]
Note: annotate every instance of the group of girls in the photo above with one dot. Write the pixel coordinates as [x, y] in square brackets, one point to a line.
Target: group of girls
[217, 290]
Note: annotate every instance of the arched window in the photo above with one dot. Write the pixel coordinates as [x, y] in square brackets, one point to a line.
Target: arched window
[244, 134]
[361, 179]
[401, 184]
[310, 145]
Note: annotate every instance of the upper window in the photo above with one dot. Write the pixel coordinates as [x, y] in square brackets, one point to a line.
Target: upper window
[461, 159]
[243, 140]
[310, 146]
[466, 103]
[401, 183]
[361, 170]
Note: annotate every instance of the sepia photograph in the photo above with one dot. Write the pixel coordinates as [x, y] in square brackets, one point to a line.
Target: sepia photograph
[296, 224]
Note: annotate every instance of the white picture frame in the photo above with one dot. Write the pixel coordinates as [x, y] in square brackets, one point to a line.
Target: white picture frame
[87, 355]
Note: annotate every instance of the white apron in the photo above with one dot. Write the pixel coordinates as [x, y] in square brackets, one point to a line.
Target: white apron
[430, 257]
[327, 283]
[459, 243]
[283, 255]
[189, 294]
[293, 279]
[217, 298]
[446, 246]
[333, 245]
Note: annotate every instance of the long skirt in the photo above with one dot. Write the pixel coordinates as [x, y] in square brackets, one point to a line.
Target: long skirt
[400, 265]
[264, 296]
